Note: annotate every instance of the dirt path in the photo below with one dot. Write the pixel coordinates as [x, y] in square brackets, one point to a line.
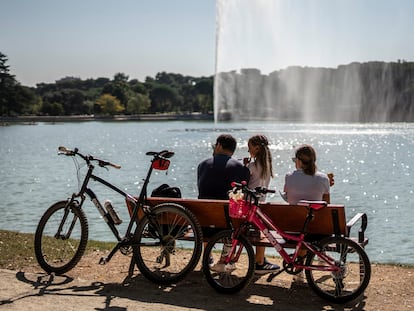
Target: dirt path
[93, 287]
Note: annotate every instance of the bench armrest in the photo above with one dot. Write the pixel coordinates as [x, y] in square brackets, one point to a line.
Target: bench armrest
[364, 223]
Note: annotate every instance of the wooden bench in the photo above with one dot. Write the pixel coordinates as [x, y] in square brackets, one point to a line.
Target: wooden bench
[213, 216]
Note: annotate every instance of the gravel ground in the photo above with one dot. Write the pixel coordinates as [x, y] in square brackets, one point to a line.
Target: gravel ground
[90, 286]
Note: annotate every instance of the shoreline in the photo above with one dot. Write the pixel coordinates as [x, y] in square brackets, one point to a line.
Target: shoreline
[32, 120]
[208, 117]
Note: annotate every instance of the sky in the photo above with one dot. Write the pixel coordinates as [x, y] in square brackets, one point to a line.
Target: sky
[46, 40]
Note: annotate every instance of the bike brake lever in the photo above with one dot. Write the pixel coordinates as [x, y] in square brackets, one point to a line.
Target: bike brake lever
[66, 151]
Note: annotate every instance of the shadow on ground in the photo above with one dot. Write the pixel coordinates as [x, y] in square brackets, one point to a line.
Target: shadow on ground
[192, 293]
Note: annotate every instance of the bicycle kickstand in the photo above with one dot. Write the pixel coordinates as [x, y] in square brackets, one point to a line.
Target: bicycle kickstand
[106, 259]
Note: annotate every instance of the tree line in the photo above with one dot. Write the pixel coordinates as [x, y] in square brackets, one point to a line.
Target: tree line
[167, 92]
[357, 92]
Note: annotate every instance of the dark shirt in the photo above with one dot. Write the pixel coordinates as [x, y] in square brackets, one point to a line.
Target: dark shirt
[215, 175]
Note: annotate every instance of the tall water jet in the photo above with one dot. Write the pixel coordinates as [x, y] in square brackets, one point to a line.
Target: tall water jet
[314, 60]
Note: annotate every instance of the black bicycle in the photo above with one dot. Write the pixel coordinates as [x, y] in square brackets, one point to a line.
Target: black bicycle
[166, 243]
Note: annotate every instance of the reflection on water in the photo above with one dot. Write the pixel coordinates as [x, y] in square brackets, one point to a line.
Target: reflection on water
[373, 166]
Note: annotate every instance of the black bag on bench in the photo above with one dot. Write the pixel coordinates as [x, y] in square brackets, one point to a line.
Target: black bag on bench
[166, 191]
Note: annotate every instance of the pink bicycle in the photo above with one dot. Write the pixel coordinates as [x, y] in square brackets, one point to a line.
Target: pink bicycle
[336, 267]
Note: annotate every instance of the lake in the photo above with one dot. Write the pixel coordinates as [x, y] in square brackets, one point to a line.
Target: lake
[373, 166]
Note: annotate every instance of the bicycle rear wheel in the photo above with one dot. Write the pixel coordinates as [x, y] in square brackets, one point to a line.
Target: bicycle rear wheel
[233, 277]
[57, 250]
[169, 245]
[352, 278]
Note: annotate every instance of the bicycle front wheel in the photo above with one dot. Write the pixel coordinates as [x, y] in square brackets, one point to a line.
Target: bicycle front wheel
[168, 243]
[61, 237]
[232, 277]
[353, 275]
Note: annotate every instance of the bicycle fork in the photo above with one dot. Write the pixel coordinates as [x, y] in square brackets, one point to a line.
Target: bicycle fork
[232, 249]
[58, 234]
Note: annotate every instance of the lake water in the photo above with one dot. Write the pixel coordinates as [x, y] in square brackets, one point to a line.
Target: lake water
[373, 166]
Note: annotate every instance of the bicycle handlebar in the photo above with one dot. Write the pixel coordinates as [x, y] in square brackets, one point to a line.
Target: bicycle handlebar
[254, 192]
[66, 151]
[102, 163]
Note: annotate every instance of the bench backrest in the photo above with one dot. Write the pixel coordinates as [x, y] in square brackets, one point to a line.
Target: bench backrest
[212, 214]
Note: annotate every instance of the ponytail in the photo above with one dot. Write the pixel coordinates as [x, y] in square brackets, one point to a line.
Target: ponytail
[264, 156]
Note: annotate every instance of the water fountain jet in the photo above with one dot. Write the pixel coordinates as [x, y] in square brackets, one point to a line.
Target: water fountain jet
[298, 61]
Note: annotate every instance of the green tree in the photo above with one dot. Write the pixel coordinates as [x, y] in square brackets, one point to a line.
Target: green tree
[74, 102]
[89, 105]
[138, 103]
[109, 104]
[121, 77]
[7, 87]
[119, 88]
[205, 90]
[52, 109]
[163, 98]
[25, 100]
[189, 102]
[138, 87]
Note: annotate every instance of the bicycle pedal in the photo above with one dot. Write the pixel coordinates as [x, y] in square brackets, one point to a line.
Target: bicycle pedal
[273, 275]
[103, 260]
[270, 277]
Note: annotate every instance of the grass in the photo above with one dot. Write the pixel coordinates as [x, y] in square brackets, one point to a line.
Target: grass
[17, 249]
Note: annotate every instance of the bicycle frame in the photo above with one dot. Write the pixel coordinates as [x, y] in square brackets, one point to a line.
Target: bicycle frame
[264, 223]
[97, 203]
[130, 200]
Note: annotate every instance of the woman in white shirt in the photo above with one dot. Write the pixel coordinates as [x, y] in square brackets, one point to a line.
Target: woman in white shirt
[260, 166]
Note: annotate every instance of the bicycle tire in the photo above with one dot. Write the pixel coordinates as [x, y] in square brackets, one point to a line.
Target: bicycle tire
[60, 252]
[231, 278]
[353, 278]
[167, 253]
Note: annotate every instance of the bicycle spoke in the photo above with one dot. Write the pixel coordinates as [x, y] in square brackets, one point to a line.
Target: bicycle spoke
[352, 273]
[165, 253]
[61, 238]
[233, 276]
